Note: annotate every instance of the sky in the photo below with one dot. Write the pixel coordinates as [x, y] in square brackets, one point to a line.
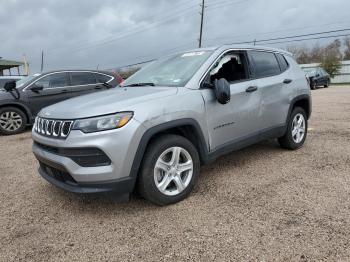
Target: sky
[104, 34]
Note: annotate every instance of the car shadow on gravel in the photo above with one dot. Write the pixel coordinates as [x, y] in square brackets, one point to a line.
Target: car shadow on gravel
[95, 203]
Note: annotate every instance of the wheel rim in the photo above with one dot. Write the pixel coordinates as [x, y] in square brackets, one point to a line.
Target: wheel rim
[10, 121]
[298, 128]
[173, 171]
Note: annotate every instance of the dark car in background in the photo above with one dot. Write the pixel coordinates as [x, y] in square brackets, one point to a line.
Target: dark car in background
[318, 77]
[21, 101]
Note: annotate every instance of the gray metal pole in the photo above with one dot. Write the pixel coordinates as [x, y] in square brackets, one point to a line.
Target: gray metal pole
[201, 29]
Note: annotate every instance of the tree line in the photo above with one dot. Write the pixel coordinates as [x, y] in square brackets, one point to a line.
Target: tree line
[329, 56]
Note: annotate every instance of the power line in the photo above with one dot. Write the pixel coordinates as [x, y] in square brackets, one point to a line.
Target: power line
[137, 29]
[279, 42]
[295, 36]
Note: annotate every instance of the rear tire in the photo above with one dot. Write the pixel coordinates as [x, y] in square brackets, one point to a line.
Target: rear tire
[12, 121]
[161, 180]
[327, 84]
[296, 133]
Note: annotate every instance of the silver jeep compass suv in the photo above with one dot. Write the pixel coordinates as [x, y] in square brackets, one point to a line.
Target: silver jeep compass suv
[153, 133]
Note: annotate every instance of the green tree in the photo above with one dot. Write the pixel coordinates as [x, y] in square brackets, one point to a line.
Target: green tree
[332, 56]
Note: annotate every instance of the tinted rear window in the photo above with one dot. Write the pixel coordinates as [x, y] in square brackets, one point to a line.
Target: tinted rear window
[283, 62]
[82, 78]
[265, 63]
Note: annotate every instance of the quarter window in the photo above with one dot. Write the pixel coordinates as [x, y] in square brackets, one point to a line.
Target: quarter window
[53, 80]
[265, 63]
[283, 62]
[82, 78]
[102, 78]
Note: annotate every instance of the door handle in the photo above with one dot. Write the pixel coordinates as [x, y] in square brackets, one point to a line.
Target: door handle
[98, 87]
[251, 89]
[287, 81]
[64, 91]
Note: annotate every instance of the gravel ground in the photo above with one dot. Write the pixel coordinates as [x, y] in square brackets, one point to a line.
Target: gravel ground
[258, 204]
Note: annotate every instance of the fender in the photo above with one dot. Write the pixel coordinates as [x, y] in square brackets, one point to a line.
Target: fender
[201, 143]
[20, 105]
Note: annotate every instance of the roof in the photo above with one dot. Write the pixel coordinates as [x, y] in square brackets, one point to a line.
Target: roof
[243, 47]
[7, 64]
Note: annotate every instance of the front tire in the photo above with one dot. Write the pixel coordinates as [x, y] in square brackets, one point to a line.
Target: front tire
[296, 133]
[12, 121]
[313, 85]
[169, 170]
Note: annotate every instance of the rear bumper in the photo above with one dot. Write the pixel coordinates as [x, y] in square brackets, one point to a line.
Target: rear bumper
[58, 176]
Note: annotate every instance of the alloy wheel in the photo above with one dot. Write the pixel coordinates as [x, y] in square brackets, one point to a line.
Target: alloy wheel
[298, 128]
[173, 171]
[10, 121]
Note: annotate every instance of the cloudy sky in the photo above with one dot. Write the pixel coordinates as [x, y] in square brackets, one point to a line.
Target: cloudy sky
[111, 33]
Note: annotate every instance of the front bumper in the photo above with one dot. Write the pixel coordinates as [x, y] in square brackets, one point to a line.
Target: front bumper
[58, 176]
[119, 145]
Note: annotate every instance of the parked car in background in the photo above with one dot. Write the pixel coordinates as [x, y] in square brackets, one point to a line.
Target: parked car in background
[318, 77]
[21, 101]
[170, 117]
[5, 79]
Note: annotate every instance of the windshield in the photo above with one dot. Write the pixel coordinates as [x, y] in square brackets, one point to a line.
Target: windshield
[25, 80]
[175, 70]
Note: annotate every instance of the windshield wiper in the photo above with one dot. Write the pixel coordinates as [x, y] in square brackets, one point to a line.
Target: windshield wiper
[141, 84]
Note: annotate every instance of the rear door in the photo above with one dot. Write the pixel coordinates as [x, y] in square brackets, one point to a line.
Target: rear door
[55, 89]
[84, 83]
[273, 84]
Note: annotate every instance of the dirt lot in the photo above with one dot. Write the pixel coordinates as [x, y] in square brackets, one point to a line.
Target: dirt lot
[262, 203]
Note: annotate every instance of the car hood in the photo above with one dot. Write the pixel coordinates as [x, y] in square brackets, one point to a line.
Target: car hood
[106, 102]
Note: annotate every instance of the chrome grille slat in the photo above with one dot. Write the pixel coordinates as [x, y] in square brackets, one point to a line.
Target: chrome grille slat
[58, 129]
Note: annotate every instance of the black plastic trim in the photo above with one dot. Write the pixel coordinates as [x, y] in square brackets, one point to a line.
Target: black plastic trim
[119, 186]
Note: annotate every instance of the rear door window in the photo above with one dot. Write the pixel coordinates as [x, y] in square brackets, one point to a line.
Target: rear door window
[265, 63]
[82, 78]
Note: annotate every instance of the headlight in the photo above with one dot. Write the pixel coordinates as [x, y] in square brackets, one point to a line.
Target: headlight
[101, 123]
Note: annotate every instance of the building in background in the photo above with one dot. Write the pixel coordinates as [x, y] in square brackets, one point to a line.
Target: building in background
[343, 77]
[8, 67]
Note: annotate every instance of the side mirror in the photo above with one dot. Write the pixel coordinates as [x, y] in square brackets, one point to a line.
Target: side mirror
[9, 86]
[222, 91]
[36, 88]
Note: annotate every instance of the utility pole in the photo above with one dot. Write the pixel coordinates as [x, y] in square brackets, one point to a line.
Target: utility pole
[42, 61]
[201, 28]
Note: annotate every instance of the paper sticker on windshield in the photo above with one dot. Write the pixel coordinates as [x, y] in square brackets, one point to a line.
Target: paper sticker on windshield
[193, 54]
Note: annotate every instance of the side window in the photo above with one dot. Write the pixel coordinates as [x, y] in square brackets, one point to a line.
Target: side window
[102, 78]
[231, 66]
[283, 62]
[265, 64]
[82, 78]
[54, 80]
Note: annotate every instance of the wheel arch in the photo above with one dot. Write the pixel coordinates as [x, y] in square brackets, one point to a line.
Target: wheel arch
[188, 128]
[21, 107]
[303, 101]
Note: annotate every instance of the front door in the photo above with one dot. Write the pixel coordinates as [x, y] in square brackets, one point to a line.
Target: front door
[55, 89]
[236, 121]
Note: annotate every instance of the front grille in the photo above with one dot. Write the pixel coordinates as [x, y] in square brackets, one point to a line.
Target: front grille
[57, 174]
[53, 128]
